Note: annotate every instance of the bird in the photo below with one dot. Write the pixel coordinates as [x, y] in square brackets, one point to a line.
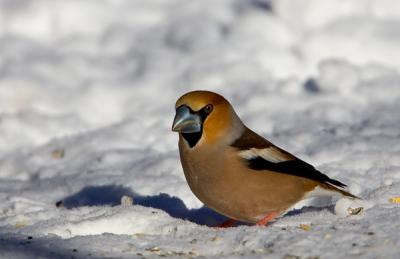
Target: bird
[236, 172]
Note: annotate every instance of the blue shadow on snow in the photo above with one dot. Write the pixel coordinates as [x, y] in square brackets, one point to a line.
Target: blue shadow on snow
[111, 195]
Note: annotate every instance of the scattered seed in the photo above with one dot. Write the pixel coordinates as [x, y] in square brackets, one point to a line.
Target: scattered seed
[126, 201]
[305, 227]
[21, 224]
[355, 211]
[215, 239]
[140, 234]
[58, 153]
[259, 250]
[153, 249]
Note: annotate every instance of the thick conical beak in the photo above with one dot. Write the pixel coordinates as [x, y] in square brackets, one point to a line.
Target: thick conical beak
[185, 121]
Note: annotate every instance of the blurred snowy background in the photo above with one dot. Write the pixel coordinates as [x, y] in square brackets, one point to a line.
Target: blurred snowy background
[87, 93]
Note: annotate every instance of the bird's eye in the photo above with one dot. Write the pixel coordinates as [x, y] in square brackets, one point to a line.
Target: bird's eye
[208, 108]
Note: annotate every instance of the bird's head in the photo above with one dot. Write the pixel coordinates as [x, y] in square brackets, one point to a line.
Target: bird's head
[206, 117]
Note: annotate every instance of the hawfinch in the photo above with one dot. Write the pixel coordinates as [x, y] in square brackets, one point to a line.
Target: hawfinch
[235, 171]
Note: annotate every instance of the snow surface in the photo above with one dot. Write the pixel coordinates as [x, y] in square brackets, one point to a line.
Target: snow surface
[87, 93]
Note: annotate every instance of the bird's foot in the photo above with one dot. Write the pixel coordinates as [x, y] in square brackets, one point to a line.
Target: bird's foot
[227, 224]
[264, 221]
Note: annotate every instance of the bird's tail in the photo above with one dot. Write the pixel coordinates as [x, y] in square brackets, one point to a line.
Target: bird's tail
[341, 191]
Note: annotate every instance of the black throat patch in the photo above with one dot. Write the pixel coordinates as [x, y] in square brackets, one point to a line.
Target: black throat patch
[193, 138]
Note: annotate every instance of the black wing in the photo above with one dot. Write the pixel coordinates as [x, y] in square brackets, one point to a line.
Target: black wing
[295, 167]
[292, 165]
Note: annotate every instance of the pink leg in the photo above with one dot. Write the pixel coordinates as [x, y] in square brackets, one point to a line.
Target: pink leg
[264, 221]
[227, 224]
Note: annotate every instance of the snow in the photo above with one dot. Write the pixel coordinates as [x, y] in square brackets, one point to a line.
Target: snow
[87, 93]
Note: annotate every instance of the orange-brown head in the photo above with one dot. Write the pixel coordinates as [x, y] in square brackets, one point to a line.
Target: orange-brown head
[206, 117]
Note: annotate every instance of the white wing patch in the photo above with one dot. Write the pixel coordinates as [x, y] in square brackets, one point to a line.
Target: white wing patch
[271, 154]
